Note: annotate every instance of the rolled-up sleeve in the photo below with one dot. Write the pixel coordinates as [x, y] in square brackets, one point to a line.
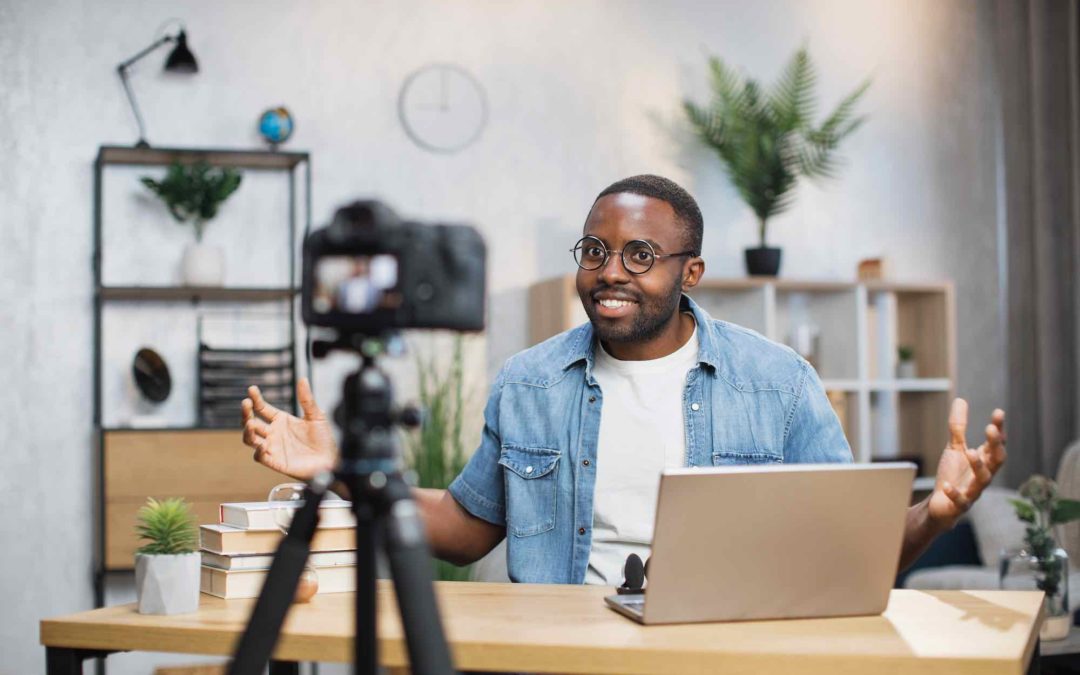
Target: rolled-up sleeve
[814, 434]
[479, 488]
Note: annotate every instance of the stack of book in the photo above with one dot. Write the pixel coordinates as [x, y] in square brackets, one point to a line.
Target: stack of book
[237, 551]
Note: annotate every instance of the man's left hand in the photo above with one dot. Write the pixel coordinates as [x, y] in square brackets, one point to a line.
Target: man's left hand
[963, 473]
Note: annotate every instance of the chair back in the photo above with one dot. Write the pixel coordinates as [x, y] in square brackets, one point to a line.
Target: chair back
[1068, 480]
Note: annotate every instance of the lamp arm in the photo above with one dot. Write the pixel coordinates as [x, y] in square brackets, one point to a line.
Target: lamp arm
[124, 65]
[134, 108]
[122, 70]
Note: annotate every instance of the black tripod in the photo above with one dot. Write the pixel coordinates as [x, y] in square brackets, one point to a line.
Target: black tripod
[386, 517]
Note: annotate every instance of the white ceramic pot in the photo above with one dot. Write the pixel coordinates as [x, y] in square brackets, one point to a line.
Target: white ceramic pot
[906, 370]
[167, 584]
[203, 265]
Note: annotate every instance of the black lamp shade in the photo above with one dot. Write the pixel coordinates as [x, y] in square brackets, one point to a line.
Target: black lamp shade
[181, 60]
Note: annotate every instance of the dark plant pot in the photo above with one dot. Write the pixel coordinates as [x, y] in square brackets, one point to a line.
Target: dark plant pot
[762, 261]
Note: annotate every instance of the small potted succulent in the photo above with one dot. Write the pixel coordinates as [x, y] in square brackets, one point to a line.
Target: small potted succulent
[194, 193]
[905, 363]
[167, 566]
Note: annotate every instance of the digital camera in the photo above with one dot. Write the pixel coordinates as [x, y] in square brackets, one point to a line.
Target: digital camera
[369, 272]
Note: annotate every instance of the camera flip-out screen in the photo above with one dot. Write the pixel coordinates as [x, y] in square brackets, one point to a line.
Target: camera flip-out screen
[356, 284]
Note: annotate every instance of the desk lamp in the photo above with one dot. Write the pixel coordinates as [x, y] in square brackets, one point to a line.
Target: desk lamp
[180, 60]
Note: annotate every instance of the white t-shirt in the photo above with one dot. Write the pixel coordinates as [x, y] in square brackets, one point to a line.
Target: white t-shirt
[642, 432]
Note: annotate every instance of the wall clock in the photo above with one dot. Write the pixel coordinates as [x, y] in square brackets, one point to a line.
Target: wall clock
[442, 108]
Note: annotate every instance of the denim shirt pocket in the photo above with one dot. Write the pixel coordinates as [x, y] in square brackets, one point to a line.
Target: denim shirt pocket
[531, 476]
[735, 457]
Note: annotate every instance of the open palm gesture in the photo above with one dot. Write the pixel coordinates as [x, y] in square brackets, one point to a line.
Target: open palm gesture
[300, 448]
[963, 473]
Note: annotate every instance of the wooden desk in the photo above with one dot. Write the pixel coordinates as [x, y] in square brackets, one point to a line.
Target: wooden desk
[567, 629]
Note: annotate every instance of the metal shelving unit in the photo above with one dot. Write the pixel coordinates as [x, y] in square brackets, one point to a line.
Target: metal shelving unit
[293, 163]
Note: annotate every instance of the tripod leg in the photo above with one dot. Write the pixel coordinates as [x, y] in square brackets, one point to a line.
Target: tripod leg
[284, 668]
[263, 629]
[410, 565]
[366, 645]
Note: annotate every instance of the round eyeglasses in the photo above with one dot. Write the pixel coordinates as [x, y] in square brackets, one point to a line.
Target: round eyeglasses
[637, 256]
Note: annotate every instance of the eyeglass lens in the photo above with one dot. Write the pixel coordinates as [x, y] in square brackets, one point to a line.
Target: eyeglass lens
[637, 256]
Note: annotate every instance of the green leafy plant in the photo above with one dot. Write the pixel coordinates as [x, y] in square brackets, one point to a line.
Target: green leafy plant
[1042, 510]
[194, 192]
[905, 353]
[168, 526]
[766, 140]
[437, 450]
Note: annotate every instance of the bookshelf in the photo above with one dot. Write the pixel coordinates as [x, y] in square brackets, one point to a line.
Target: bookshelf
[859, 328]
[205, 466]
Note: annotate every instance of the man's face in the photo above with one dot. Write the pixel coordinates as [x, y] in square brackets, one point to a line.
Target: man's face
[625, 307]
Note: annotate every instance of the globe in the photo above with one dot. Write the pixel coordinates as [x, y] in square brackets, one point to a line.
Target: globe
[276, 125]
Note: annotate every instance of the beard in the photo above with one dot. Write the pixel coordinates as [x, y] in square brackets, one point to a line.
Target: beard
[649, 320]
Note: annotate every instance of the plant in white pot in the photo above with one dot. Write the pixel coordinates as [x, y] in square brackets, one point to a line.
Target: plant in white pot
[1042, 563]
[167, 566]
[194, 193]
[767, 140]
[905, 363]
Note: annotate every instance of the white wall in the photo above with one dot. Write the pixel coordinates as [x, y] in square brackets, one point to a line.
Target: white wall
[581, 94]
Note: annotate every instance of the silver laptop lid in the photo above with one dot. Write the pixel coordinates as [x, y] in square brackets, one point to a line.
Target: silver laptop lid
[777, 541]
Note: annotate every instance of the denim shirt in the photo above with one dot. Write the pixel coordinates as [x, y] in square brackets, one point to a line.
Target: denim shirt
[747, 401]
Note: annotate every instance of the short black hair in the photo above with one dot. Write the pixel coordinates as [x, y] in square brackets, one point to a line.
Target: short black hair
[664, 189]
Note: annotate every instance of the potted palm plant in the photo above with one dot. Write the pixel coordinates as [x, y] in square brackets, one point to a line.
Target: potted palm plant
[767, 140]
[194, 193]
[167, 566]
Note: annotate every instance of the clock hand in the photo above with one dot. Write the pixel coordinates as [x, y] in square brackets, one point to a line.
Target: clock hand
[442, 89]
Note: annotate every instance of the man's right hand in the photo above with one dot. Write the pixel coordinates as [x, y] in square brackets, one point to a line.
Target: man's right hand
[299, 448]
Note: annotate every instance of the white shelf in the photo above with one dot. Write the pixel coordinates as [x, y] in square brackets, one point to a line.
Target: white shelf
[842, 385]
[918, 384]
[923, 484]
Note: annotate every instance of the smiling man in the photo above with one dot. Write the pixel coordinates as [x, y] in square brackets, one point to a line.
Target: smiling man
[578, 429]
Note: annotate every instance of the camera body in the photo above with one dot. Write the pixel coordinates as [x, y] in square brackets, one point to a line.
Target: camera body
[369, 272]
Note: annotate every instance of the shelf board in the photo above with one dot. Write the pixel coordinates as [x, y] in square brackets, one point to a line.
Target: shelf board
[171, 430]
[244, 159]
[196, 293]
[923, 483]
[927, 384]
[841, 385]
[819, 285]
[789, 285]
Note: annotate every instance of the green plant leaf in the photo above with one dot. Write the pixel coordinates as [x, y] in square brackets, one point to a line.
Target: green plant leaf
[767, 141]
[194, 192]
[1065, 511]
[1024, 510]
[168, 526]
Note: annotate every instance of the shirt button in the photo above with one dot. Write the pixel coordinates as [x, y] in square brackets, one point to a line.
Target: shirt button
[528, 469]
[581, 530]
[592, 399]
[586, 462]
[695, 407]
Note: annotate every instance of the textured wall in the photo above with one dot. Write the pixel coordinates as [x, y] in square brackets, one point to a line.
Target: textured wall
[580, 94]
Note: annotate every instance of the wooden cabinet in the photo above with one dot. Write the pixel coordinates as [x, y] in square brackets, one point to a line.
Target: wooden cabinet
[206, 467]
[851, 332]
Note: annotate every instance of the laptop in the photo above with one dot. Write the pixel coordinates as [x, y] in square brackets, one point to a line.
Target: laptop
[775, 542]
